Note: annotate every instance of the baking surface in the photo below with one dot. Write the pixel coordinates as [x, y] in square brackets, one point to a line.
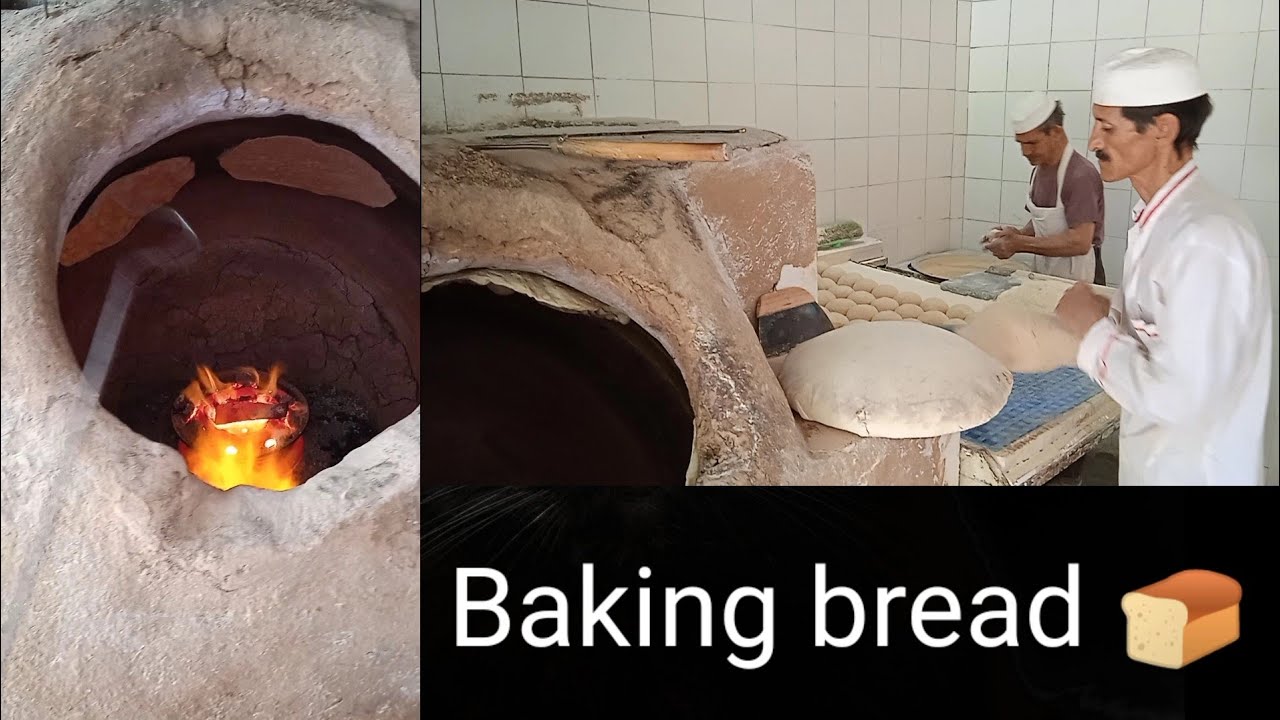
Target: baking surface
[955, 263]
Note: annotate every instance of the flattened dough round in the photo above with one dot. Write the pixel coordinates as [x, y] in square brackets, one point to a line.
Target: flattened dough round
[885, 291]
[1021, 337]
[862, 297]
[885, 303]
[934, 304]
[928, 382]
[861, 312]
[885, 315]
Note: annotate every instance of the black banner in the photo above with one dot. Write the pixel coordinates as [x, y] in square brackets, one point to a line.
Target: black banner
[969, 602]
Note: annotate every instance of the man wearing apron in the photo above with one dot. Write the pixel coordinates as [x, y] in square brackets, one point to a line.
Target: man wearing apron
[1065, 199]
[1185, 346]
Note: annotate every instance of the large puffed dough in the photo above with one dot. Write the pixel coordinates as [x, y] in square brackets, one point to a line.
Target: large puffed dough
[885, 303]
[861, 312]
[1023, 338]
[906, 297]
[926, 382]
[862, 297]
[909, 311]
[842, 291]
[825, 297]
[885, 291]
[934, 304]
[840, 305]
[884, 315]
[865, 285]
[1182, 618]
[826, 283]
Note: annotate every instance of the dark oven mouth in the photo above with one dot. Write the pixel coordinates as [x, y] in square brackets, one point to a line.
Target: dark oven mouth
[245, 292]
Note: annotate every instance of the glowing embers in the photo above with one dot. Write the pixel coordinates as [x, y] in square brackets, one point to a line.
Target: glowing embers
[242, 428]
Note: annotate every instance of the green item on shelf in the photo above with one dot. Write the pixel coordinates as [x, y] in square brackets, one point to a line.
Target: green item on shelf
[840, 235]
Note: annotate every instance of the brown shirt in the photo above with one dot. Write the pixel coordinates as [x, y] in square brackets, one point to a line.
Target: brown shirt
[1082, 195]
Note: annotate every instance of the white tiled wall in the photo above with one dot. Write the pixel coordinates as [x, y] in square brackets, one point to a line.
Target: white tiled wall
[1054, 45]
[874, 88]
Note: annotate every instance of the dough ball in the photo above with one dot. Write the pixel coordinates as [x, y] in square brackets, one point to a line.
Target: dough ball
[861, 312]
[885, 303]
[850, 279]
[832, 273]
[862, 297]
[908, 310]
[823, 265]
[825, 298]
[841, 291]
[933, 317]
[885, 291]
[934, 304]
[841, 305]
[865, 284]
[959, 311]
[906, 297]
[845, 267]
[838, 320]
[825, 283]
[886, 315]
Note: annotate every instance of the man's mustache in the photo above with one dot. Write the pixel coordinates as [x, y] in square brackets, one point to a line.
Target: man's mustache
[1101, 155]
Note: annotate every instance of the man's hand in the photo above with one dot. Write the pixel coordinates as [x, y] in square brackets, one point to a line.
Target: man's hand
[1002, 242]
[1080, 308]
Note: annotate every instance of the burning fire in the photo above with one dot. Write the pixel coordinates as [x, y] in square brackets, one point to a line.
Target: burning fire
[242, 431]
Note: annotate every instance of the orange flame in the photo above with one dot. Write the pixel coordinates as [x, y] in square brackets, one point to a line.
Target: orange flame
[238, 453]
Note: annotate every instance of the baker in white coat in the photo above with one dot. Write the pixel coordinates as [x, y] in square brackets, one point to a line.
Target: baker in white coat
[1064, 199]
[1185, 346]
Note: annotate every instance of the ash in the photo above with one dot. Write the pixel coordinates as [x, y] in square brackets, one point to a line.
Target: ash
[338, 424]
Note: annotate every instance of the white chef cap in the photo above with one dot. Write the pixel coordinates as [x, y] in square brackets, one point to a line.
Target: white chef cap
[1031, 112]
[1142, 77]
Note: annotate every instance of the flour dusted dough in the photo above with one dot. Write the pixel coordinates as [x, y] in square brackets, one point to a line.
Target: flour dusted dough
[927, 382]
[934, 304]
[840, 305]
[1023, 338]
[885, 303]
[862, 312]
[933, 317]
[862, 297]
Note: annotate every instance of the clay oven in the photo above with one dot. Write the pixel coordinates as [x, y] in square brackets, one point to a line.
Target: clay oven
[589, 312]
[209, 215]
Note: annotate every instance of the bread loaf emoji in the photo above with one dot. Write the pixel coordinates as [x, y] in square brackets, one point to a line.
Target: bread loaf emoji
[1178, 620]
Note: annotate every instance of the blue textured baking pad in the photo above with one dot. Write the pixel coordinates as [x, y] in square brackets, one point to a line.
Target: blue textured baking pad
[1036, 399]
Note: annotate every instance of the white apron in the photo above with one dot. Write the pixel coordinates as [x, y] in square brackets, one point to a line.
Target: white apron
[1186, 352]
[1048, 221]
